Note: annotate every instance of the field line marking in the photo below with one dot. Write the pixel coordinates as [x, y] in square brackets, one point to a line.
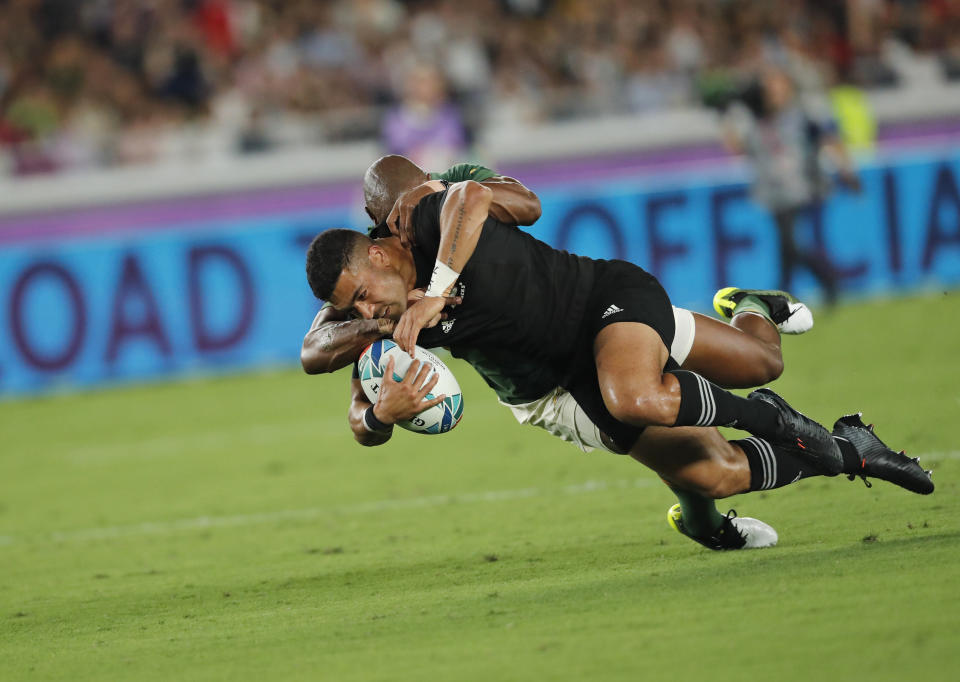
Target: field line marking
[210, 438]
[490, 496]
[937, 455]
[235, 520]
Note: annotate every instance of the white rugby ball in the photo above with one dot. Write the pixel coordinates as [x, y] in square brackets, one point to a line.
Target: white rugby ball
[437, 419]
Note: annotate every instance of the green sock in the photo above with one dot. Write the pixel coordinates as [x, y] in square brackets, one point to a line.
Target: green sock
[700, 515]
[752, 304]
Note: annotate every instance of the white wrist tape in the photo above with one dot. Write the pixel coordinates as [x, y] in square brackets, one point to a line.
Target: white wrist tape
[442, 279]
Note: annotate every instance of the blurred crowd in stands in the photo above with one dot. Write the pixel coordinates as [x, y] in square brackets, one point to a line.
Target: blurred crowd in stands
[87, 83]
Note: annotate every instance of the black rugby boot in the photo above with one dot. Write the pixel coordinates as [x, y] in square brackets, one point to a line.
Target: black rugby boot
[879, 461]
[801, 434]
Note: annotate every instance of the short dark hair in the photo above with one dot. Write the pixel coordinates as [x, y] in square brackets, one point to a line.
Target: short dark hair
[328, 255]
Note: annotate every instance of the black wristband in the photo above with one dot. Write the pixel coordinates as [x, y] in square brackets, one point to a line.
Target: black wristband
[373, 424]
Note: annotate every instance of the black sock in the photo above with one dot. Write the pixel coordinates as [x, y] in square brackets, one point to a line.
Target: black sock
[772, 466]
[851, 460]
[705, 404]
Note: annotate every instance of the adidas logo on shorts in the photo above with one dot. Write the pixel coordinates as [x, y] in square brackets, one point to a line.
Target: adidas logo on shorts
[610, 311]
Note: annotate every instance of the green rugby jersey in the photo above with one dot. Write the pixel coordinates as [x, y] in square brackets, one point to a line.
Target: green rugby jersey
[512, 377]
[460, 172]
[464, 171]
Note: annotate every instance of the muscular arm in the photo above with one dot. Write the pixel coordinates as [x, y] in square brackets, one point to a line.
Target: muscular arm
[334, 341]
[461, 222]
[359, 405]
[511, 202]
[464, 211]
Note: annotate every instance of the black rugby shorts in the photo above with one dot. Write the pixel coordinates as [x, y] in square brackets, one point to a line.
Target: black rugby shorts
[622, 292]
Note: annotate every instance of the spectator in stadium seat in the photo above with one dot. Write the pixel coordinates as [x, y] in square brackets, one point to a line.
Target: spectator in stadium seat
[323, 65]
[425, 126]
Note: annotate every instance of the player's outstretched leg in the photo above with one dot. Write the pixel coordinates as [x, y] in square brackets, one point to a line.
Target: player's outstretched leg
[700, 465]
[866, 455]
[734, 532]
[786, 312]
[630, 359]
[744, 353]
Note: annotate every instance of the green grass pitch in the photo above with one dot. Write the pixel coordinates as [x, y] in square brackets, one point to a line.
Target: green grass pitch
[230, 529]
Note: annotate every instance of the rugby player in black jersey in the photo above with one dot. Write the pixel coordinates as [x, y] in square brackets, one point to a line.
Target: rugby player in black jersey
[744, 353]
[335, 339]
[553, 308]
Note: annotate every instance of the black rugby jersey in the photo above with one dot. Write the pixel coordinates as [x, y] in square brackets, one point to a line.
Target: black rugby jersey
[518, 293]
[514, 378]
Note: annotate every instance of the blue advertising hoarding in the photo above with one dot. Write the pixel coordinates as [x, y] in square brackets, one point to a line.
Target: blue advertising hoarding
[901, 233]
[140, 293]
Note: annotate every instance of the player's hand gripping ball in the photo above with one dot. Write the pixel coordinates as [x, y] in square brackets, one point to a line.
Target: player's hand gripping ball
[437, 419]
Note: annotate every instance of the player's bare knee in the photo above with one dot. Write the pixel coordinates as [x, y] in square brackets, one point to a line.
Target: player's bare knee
[771, 366]
[646, 409]
[765, 365]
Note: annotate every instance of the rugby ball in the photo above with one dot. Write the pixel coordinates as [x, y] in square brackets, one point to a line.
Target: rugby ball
[437, 419]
